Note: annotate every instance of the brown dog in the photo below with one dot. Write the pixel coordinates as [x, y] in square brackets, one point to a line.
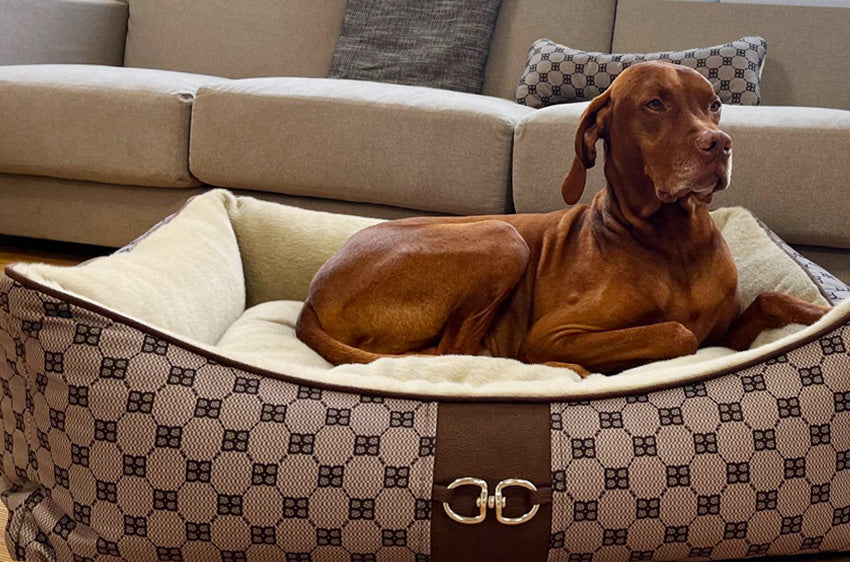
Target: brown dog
[640, 275]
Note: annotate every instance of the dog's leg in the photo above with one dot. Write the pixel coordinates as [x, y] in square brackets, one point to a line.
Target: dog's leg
[581, 371]
[770, 310]
[552, 340]
[472, 320]
[414, 287]
[463, 334]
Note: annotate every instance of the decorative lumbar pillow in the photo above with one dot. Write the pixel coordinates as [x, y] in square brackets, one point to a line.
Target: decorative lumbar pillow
[440, 43]
[558, 74]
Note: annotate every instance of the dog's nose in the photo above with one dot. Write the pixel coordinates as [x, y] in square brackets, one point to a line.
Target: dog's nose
[715, 143]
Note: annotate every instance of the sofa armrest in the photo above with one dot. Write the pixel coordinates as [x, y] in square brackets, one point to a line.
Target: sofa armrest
[790, 167]
[63, 31]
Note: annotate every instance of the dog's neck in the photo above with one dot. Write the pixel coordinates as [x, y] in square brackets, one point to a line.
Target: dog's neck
[630, 204]
[631, 192]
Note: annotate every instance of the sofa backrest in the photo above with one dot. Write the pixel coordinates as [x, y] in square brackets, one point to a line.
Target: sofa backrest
[235, 38]
[62, 31]
[581, 24]
[249, 38]
[806, 46]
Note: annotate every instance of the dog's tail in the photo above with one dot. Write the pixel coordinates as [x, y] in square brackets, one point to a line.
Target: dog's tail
[310, 331]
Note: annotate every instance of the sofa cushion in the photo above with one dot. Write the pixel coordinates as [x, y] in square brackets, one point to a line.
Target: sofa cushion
[236, 39]
[97, 123]
[440, 44]
[802, 68]
[405, 146]
[790, 167]
[559, 74]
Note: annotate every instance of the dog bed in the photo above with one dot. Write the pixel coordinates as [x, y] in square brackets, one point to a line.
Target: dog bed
[156, 405]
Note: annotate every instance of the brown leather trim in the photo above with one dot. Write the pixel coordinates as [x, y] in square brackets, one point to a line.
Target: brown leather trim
[117, 317]
[492, 442]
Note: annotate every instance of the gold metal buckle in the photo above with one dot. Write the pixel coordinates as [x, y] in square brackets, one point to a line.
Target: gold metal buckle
[500, 501]
[496, 502]
[480, 502]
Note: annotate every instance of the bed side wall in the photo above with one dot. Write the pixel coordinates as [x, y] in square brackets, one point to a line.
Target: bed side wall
[184, 275]
[283, 247]
[116, 438]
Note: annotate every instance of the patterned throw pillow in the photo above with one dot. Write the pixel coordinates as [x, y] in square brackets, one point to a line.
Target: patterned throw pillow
[558, 74]
[440, 43]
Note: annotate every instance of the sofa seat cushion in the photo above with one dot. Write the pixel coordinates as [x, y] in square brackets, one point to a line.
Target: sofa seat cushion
[405, 146]
[106, 124]
[790, 167]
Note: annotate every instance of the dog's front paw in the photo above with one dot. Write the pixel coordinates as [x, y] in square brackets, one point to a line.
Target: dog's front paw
[581, 371]
[819, 313]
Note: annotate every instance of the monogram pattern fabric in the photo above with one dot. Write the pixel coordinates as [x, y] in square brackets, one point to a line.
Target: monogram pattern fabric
[753, 463]
[558, 74]
[119, 444]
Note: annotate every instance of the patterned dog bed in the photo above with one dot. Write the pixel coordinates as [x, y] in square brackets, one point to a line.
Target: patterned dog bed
[157, 406]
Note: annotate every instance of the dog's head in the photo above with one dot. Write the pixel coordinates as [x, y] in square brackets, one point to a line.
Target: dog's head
[659, 122]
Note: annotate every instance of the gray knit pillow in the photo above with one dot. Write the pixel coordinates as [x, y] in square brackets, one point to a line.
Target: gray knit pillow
[439, 43]
[558, 74]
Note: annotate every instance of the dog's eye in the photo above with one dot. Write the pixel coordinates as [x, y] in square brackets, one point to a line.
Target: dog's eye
[655, 105]
[715, 106]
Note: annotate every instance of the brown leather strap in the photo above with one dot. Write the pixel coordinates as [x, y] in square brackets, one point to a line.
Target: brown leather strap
[492, 442]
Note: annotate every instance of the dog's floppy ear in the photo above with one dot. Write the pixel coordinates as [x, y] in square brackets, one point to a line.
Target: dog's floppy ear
[590, 128]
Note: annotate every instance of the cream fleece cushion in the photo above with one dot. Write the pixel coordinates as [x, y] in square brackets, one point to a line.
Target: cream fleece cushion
[186, 278]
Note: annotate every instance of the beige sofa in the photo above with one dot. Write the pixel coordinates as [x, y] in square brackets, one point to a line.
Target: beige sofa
[165, 99]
